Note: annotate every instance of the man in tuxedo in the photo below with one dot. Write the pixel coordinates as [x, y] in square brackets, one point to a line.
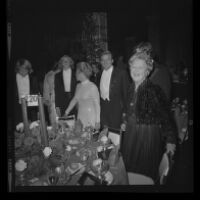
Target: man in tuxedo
[114, 83]
[26, 83]
[64, 84]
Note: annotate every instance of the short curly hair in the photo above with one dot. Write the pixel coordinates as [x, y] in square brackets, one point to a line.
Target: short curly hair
[85, 68]
[142, 56]
[22, 62]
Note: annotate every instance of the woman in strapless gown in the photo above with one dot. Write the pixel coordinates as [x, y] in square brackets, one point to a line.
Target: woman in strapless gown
[86, 97]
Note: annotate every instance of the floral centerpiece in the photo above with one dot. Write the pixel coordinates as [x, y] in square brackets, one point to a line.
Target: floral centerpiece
[36, 164]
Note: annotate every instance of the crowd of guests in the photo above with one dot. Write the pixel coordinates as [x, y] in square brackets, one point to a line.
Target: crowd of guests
[133, 97]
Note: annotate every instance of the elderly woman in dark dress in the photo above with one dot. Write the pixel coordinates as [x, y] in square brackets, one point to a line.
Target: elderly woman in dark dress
[147, 121]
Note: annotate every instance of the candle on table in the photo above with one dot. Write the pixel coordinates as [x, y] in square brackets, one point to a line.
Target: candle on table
[25, 115]
[42, 121]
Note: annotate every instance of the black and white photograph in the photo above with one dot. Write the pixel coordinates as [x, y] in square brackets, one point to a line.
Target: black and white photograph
[99, 99]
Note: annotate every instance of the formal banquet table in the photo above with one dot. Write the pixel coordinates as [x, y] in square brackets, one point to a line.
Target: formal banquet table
[73, 157]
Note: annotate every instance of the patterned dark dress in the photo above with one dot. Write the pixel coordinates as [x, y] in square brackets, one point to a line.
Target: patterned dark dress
[149, 128]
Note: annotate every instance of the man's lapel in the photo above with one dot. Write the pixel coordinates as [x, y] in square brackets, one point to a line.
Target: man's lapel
[112, 81]
[99, 79]
[59, 81]
[73, 82]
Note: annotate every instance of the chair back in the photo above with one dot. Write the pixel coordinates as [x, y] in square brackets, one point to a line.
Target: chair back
[164, 168]
[115, 136]
[139, 179]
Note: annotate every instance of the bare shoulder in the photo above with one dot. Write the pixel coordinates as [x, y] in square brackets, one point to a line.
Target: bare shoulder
[93, 85]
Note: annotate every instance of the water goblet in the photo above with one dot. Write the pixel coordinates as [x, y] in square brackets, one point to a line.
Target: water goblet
[52, 178]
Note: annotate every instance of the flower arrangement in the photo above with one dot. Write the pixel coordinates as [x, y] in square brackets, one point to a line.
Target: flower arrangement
[20, 165]
[28, 142]
[47, 151]
[181, 106]
[33, 160]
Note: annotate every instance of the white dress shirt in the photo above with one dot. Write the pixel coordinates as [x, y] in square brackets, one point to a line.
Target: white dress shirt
[67, 79]
[105, 83]
[23, 85]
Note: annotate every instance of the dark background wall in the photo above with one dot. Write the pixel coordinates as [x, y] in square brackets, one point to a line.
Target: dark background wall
[167, 24]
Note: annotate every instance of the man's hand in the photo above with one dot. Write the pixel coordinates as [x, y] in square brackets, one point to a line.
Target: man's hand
[123, 127]
[170, 148]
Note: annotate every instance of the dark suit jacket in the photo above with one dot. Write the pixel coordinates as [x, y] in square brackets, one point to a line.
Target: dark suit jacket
[161, 77]
[61, 98]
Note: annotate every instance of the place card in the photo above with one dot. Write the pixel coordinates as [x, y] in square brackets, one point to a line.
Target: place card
[32, 100]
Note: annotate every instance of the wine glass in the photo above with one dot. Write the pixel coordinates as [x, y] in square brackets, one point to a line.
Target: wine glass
[101, 170]
[53, 178]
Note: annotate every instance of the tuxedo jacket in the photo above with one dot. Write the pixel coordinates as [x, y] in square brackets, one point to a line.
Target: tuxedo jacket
[118, 88]
[32, 111]
[60, 99]
[34, 86]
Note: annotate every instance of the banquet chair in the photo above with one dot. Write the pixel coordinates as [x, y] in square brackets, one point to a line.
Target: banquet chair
[165, 168]
[115, 136]
[139, 179]
[163, 173]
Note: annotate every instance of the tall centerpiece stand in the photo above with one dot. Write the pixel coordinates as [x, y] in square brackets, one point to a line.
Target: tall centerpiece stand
[25, 115]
